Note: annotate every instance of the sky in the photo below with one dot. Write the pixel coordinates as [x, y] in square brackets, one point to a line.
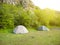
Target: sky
[52, 4]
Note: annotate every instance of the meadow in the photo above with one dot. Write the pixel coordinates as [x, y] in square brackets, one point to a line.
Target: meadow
[34, 37]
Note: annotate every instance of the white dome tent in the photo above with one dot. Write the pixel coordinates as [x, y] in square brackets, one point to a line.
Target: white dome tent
[20, 30]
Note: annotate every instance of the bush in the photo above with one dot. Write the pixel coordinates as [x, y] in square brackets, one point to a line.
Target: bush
[7, 18]
[11, 16]
[26, 18]
[44, 16]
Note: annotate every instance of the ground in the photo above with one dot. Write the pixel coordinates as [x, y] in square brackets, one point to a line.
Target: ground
[51, 37]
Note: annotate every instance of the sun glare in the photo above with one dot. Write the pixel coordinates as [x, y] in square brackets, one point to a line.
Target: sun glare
[52, 4]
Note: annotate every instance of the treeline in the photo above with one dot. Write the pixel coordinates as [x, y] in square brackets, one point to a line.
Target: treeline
[11, 16]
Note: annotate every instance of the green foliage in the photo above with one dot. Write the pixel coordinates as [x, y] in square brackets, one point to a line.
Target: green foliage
[26, 18]
[47, 16]
[44, 17]
[58, 20]
[13, 15]
[7, 18]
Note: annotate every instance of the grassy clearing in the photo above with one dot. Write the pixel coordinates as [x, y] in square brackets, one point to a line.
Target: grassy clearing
[32, 38]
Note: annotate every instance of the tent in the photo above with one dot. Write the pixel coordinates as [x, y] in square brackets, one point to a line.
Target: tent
[44, 28]
[20, 29]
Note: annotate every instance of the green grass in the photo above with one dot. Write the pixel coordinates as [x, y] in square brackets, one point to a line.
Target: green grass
[32, 38]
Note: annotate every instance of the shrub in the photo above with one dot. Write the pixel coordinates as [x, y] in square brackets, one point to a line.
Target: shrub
[7, 18]
[26, 18]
